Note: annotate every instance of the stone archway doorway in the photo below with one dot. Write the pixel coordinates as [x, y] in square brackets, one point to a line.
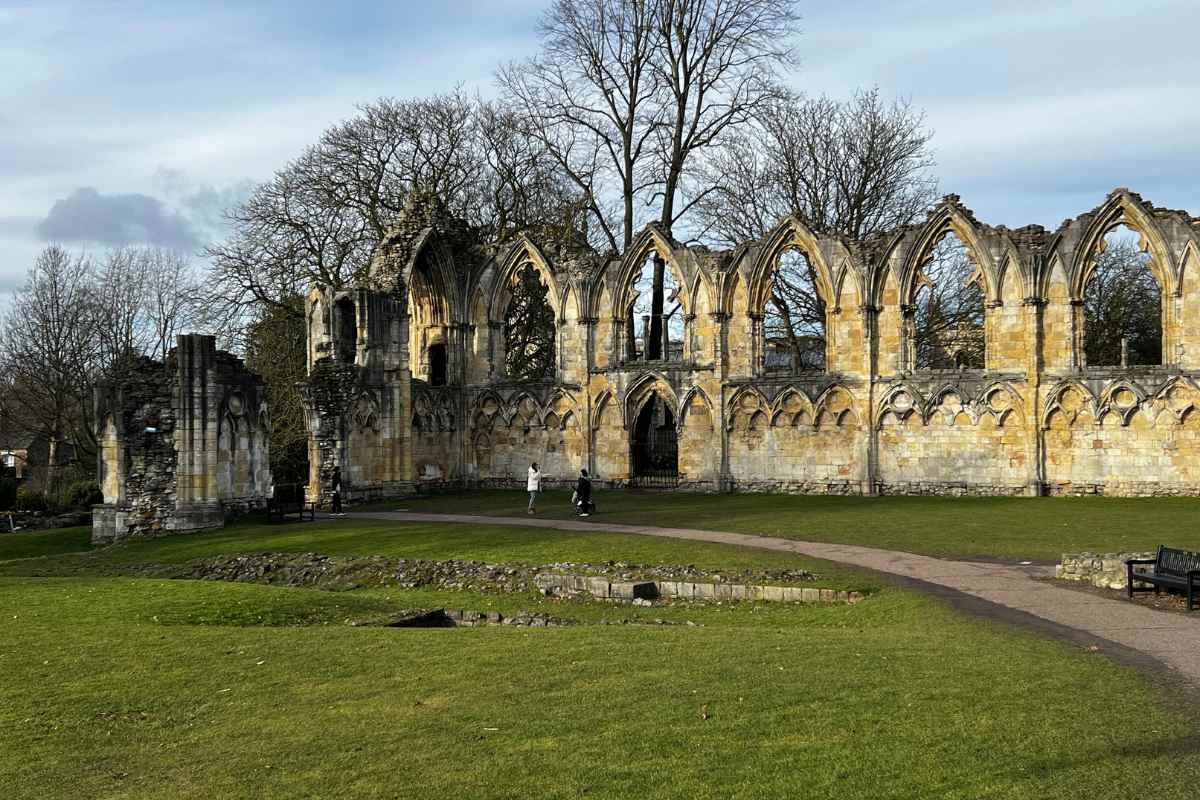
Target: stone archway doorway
[655, 446]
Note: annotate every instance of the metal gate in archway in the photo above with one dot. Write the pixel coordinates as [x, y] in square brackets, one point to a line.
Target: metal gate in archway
[655, 447]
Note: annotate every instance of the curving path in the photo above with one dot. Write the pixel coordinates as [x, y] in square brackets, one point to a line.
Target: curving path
[1132, 633]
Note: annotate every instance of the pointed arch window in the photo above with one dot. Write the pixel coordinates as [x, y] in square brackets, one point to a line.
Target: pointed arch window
[1122, 303]
[794, 336]
[655, 319]
[529, 327]
[948, 309]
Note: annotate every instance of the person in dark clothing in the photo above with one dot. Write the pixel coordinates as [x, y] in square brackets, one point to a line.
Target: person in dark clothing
[335, 483]
[583, 494]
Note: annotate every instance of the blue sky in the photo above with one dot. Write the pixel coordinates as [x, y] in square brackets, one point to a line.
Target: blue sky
[141, 121]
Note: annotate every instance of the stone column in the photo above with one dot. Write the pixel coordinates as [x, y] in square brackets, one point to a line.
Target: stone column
[758, 344]
[870, 337]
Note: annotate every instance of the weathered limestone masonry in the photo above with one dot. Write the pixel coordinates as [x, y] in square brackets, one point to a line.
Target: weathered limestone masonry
[407, 379]
[1104, 570]
[182, 444]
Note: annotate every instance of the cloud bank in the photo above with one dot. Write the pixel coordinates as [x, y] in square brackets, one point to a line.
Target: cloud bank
[88, 216]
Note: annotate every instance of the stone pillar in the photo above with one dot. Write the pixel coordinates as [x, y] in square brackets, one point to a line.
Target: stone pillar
[758, 344]
[870, 336]
[1035, 440]
[197, 504]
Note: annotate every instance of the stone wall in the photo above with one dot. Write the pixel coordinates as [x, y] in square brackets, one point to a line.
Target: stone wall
[183, 444]
[1035, 419]
[1104, 570]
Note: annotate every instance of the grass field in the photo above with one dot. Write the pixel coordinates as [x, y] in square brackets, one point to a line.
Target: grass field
[141, 688]
[1041, 528]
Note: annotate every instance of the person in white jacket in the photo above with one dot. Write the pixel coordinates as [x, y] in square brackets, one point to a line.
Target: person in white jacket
[534, 485]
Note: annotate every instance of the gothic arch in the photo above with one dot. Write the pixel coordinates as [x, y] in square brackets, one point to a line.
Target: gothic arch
[522, 252]
[686, 403]
[652, 240]
[1012, 268]
[1000, 400]
[946, 219]
[902, 401]
[747, 401]
[1121, 208]
[601, 404]
[640, 391]
[1069, 397]
[791, 232]
[935, 402]
[792, 412]
[435, 285]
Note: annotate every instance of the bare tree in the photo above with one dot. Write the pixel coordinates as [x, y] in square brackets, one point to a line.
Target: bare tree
[591, 99]
[716, 62]
[1122, 306]
[852, 168]
[173, 301]
[949, 310]
[51, 355]
[794, 320]
[522, 186]
[319, 219]
[145, 296]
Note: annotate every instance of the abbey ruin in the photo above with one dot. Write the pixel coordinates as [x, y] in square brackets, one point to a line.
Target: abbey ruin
[407, 377]
[183, 444]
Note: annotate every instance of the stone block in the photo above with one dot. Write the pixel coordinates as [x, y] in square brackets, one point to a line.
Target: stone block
[629, 590]
[598, 587]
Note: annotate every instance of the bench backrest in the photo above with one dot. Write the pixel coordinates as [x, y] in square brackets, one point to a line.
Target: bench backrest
[1176, 562]
[288, 494]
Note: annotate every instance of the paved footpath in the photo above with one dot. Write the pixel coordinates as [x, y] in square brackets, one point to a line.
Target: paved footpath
[1172, 640]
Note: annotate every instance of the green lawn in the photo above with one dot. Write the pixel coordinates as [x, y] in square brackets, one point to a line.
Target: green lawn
[1018, 528]
[147, 688]
[27, 544]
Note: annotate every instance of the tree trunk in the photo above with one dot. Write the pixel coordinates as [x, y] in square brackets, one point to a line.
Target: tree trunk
[786, 314]
[654, 346]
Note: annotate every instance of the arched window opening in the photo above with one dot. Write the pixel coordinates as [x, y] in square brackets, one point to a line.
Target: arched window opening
[529, 328]
[429, 318]
[794, 316]
[655, 319]
[1122, 304]
[437, 364]
[949, 309]
[655, 446]
[346, 325]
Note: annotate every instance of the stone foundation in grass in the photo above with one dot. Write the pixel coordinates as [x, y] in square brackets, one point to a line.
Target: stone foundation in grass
[601, 587]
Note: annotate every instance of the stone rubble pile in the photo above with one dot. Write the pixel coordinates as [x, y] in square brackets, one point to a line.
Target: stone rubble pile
[335, 572]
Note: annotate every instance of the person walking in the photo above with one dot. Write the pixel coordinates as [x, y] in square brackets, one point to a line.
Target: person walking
[533, 485]
[583, 494]
[335, 483]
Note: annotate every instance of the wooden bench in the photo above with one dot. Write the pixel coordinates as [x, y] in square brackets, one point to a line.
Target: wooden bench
[288, 499]
[1173, 569]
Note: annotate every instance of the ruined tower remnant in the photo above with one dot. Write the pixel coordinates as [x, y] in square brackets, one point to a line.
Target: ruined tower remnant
[408, 382]
[182, 444]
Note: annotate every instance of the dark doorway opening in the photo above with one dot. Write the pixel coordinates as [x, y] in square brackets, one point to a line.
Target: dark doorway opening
[655, 447]
[346, 326]
[437, 365]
